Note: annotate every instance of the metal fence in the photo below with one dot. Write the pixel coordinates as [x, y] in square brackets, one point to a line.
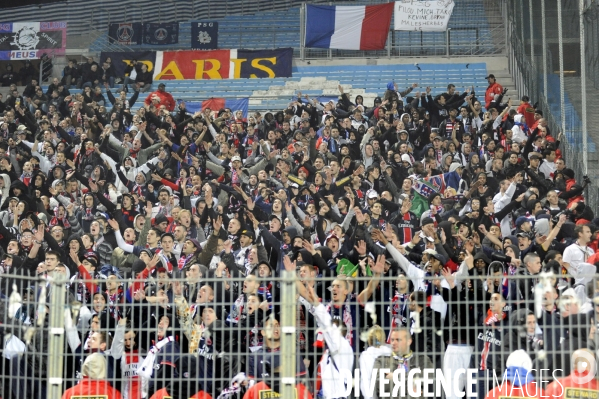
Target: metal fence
[546, 61]
[155, 345]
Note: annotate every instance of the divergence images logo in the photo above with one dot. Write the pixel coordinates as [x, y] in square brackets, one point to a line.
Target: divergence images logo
[124, 33]
[25, 38]
[160, 34]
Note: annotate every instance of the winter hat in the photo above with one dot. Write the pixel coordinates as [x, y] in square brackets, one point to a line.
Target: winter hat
[542, 227]
[94, 367]
[455, 166]
[432, 197]
[568, 173]
[519, 358]
[515, 249]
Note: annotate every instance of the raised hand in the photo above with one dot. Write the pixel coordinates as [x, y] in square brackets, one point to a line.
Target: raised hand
[360, 247]
[227, 245]
[217, 223]
[39, 233]
[449, 277]
[379, 266]
[289, 265]
[308, 246]
[114, 224]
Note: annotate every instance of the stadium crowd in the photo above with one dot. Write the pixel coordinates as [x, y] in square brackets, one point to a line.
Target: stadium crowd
[454, 215]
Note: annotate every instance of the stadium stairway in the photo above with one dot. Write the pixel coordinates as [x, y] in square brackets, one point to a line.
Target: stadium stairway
[369, 81]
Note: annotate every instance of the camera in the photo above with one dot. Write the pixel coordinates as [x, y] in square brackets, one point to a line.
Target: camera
[586, 179]
[566, 212]
[501, 258]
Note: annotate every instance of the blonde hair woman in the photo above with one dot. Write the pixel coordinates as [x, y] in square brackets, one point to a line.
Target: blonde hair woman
[376, 347]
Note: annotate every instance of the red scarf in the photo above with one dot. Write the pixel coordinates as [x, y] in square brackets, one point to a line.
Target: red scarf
[493, 318]
[56, 221]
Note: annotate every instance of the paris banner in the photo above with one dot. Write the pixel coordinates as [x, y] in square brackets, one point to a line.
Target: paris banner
[30, 40]
[214, 64]
[165, 33]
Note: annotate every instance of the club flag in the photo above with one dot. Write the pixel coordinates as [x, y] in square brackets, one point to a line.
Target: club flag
[419, 204]
[441, 182]
[429, 185]
[423, 189]
[235, 104]
[348, 27]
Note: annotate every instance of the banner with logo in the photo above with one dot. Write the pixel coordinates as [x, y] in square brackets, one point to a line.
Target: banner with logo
[167, 33]
[223, 64]
[204, 35]
[127, 33]
[30, 40]
[120, 60]
[423, 15]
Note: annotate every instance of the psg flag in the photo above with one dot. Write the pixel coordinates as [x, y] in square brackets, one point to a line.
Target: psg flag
[165, 33]
[127, 33]
[204, 35]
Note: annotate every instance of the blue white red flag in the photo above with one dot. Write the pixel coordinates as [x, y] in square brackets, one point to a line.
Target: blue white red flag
[348, 27]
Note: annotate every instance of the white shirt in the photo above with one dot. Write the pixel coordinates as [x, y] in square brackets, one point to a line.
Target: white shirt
[576, 255]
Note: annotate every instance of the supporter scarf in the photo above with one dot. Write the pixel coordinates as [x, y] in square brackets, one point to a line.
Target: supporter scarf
[137, 189]
[183, 260]
[398, 312]
[56, 221]
[26, 178]
[147, 367]
[234, 177]
[89, 214]
[493, 318]
[133, 153]
[347, 319]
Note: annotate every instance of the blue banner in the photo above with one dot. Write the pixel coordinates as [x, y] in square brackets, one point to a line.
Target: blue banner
[204, 35]
[266, 63]
[157, 34]
[129, 34]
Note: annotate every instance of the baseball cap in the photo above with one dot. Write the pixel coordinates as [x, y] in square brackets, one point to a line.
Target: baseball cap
[535, 156]
[426, 221]
[236, 158]
[490, 76]
[440, 257]
[372, 194]
[249, 234]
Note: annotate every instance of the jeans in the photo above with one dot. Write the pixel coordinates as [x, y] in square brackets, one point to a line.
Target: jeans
[43, 107]
[128, 81]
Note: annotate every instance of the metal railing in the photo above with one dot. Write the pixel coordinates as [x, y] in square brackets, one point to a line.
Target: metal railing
[49, 333]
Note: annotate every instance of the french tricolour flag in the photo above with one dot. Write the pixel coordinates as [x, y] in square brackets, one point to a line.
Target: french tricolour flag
[348, 27]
